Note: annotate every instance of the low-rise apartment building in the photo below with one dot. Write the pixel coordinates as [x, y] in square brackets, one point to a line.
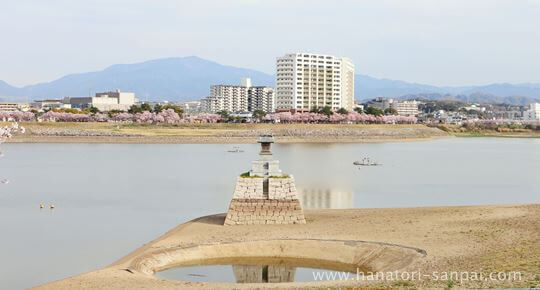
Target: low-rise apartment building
[191, 107]
[405, 108]
[533, 113]
[239, 98]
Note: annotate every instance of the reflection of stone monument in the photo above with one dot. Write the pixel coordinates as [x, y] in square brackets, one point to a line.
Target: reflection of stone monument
[316, 198]
[265, 195]
[263, 273]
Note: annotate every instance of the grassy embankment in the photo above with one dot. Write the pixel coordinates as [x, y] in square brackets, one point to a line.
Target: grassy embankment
[462, 131]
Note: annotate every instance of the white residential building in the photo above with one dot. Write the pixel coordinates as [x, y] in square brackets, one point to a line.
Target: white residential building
[234, 98]
[405, 108]
[306, 81]
[242, 98]
[191, 107]
[533, 113]
[261, 98]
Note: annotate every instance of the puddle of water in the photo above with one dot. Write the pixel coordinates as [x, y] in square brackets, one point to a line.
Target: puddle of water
[261, 270]
[273, 273]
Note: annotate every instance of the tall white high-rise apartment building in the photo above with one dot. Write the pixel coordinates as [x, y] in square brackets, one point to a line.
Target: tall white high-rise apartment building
[305, 81]
[237, 99]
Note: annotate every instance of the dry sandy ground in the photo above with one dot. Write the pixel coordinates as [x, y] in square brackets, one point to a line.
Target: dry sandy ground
[457, 239]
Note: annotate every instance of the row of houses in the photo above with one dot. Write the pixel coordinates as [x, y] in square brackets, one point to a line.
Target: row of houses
[517, 113]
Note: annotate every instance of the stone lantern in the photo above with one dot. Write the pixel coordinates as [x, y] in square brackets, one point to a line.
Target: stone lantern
[265, 166]
[265, 195]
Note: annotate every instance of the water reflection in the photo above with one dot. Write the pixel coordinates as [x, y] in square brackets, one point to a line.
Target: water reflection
[319, 198]
[271, 271]
[263, 273]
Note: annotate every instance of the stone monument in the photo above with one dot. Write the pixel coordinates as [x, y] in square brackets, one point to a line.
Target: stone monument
[265, 195]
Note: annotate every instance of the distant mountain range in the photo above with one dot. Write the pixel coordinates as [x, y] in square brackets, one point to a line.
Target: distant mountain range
[367, 87]
[189, 78]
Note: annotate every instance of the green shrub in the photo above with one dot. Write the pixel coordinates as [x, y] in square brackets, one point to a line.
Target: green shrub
[283, 176]
[246, 175]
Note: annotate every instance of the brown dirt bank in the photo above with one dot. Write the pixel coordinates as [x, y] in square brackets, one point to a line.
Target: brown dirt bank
[221, 133]
[485, 239]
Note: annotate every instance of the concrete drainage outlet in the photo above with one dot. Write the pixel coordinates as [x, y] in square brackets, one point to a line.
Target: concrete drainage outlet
[338, 255]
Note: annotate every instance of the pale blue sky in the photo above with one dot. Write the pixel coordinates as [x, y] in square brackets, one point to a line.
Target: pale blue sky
[445, 42]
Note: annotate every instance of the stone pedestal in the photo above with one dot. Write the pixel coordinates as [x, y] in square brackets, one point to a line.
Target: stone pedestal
[251, 206]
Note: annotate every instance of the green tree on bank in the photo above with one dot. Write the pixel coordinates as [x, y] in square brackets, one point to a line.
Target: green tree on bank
[374, 111]
[390, 111]
[342, 111]
[359, 110]
[259, 115]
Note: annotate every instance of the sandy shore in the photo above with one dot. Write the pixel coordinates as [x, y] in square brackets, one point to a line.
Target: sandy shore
[222, 133]
[475, 239]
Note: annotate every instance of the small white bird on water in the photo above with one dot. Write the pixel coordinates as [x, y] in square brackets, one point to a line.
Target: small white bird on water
[41, 205]
[52, 206]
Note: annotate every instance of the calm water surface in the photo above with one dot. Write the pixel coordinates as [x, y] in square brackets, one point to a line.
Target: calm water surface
[111, 199]
[251, 273]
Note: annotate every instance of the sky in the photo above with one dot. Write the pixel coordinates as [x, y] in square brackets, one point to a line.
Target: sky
[438, 42]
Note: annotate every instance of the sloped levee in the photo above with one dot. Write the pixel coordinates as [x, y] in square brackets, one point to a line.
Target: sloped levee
[340, 255]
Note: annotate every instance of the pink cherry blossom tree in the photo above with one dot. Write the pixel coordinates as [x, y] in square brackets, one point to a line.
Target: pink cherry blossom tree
[122, 118]
[7, 132]
[17, 116]
[170, 116]
[203, 118]
[352, 117]
[100, 117]
[144, 117]
[51, 116]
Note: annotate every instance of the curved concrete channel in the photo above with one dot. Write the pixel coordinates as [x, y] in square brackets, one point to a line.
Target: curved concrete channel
[339, 255]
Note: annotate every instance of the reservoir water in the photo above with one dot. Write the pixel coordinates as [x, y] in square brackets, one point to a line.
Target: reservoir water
[112, 198]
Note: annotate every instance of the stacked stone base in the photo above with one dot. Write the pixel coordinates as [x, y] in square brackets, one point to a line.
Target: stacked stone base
[264, 212]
